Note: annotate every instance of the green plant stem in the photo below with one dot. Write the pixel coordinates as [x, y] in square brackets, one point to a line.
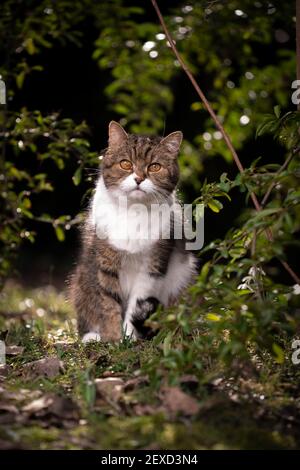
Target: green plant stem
[257, 274]
[281, 169]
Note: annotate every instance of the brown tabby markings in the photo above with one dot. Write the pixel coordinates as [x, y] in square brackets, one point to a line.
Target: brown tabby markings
[141, 151]
[95, 289]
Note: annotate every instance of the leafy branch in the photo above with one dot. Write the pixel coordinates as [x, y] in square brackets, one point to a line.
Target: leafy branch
[220, 127]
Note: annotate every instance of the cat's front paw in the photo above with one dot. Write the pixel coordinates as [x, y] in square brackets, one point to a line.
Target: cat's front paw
[129, 330]
[91, 336]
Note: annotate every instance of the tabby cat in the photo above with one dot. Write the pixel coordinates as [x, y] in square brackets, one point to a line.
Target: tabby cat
[129, 266]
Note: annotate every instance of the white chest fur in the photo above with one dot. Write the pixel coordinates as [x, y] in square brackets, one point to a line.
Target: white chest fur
[127, 227]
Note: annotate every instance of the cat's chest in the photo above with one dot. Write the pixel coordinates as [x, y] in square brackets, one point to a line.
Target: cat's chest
[133, 228]
[128, 230]
[133, 270]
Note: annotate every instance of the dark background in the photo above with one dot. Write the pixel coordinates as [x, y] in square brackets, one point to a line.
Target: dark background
[73, 84]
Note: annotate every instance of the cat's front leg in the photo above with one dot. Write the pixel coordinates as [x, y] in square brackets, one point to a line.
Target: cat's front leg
[99, 308]
[147, 290]
[128, 328]
[96, 295]
[137, 315]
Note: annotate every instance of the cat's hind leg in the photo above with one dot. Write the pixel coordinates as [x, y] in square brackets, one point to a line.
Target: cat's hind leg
[143, 310]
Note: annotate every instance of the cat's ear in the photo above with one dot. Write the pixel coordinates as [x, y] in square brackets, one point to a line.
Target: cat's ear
[116, 135]
[172, 142]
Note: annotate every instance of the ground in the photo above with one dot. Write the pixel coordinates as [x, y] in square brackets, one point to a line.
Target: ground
[56, 393]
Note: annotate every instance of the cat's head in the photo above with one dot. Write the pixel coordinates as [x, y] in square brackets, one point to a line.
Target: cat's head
[139, 167]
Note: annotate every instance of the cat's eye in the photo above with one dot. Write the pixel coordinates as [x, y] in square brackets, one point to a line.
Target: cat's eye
[125, 165]
[154, 167]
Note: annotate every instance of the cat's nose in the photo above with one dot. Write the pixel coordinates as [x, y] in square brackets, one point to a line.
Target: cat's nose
[139, 179]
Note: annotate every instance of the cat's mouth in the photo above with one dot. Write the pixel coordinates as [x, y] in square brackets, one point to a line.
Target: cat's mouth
[137, 192]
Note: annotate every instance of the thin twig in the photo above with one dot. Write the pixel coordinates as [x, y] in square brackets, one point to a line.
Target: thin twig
[298, 42]
[256, 270]
[253, 244]
[290, 271]
[218, 124]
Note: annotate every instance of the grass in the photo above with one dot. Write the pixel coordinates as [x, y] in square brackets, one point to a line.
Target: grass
[241, 412]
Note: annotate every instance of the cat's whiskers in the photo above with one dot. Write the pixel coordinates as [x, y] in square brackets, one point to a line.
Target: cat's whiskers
[92, 171]
[159, 196]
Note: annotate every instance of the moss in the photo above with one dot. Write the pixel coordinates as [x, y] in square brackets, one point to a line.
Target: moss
[252, 413]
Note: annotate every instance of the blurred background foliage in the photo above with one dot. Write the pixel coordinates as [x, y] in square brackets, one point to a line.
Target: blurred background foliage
[70, 67]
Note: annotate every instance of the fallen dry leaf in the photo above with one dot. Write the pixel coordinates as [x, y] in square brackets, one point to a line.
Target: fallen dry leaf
[175, 401]
[14, 350]
[47, 367]
[110, 373]
[3, 372]
[131, 384]
[65, 408]
[20, 395]
[39, 404]
[189, 381]
[8, 413]
[63, 345]
[110, 387]
[54, 405]
[142, 410]
[8, 407]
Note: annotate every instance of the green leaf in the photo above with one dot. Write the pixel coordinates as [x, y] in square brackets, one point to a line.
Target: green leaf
[224, 186]
[241, 292]
[167, 343]
[278, 352]
[237, 252]
[121, 109]
[213, 317]
[20, 79]
[204, 271]
[196, 106]
[215, 205]
[26, 213]
[29, 46]
[89, 392]
[277, 111]
[26, 203]
[60, 234]
[268, 125]
[77, 176]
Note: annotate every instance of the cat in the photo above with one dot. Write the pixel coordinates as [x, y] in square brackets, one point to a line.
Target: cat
[128, 266]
